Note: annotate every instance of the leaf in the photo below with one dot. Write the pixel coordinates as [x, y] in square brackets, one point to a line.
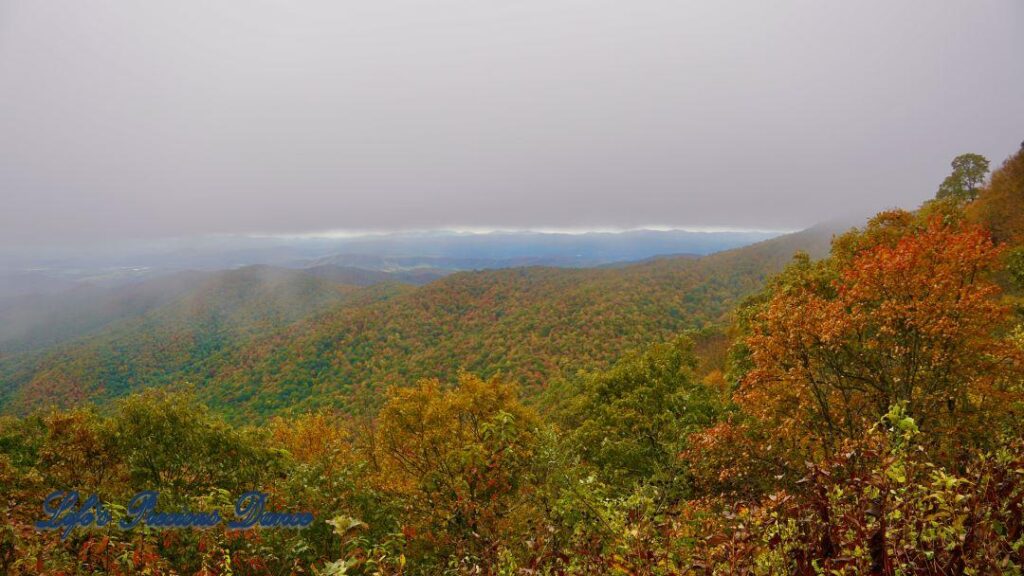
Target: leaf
[345, 524]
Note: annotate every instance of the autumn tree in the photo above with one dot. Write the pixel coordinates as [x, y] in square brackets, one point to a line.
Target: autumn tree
[1000, 205]
[458, 459]
[327, 474]
[79, 452]
[913, 320]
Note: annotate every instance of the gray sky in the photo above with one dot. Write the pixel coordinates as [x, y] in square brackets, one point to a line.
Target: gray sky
[126, 119]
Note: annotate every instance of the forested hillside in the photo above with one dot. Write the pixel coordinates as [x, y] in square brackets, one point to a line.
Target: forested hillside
[239, 340]
[528, 324]
[208, 315]
[868, 422]
[33, 321]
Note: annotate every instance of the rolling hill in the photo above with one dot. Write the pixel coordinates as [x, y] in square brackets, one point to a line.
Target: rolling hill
[530, 324]
[38, 320]
[206, 314]
[260, 340]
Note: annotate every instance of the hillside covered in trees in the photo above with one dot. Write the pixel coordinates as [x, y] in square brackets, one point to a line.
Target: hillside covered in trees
[260, 340]
[172, 332]
[864, 419]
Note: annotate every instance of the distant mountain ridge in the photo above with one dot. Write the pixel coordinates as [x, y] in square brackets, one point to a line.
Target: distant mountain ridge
[452, 250]
[353, 276]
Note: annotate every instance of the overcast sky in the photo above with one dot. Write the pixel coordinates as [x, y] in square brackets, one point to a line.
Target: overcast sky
[127, 119]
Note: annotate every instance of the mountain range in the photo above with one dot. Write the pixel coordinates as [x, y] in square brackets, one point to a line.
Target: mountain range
[259, 339]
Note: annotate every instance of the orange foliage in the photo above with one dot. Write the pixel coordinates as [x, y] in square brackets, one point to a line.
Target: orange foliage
[312, 437]
[459, 458]
[914, 321]
[1001, 204]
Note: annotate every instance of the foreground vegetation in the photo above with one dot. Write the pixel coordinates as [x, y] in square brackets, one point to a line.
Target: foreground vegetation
[865, 420]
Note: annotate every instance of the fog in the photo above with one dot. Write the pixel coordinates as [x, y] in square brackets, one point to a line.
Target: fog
[122, 121]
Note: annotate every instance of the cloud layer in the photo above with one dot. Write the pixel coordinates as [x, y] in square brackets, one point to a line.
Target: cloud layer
[122, 120]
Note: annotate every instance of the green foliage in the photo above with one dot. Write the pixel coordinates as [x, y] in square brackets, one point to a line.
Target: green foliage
[882, 507]
[969, 172]
[632, 420]
[1015, 266]
[187, 454]
[170, 443]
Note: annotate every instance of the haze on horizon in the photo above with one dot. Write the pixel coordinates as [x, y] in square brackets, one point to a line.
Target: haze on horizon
[123, 120]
